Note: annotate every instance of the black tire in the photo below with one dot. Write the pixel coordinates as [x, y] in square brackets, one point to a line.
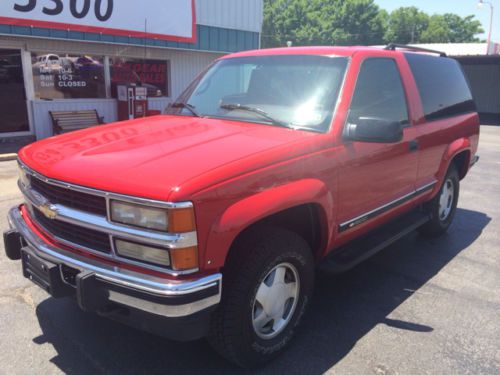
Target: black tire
[252, 258]
[438, 225]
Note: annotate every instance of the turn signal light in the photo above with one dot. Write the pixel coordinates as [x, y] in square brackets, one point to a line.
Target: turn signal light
[184, 259]
[181, 220]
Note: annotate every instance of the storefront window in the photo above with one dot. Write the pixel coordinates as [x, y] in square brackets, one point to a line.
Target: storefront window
[13, 108]
[58, 76]
[152, 74]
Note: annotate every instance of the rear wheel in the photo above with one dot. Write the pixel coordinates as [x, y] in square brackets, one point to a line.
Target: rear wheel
[443, 206]
[268, 283]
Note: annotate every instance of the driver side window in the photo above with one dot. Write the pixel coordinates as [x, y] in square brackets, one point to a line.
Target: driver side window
[379, 92]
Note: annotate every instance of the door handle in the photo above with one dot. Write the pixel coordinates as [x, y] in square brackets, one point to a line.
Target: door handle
[413, 145]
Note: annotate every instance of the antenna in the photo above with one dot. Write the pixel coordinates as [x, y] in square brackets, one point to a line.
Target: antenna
[145, 38]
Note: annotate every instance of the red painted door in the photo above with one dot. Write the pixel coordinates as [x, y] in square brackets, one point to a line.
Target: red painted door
[376, 178]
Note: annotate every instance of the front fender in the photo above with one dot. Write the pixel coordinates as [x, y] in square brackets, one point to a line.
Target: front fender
[254, 208]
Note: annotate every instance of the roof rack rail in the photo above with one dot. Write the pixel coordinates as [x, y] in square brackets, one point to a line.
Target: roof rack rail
[393, 46]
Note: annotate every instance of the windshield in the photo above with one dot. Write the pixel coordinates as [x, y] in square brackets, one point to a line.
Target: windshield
[296, 91]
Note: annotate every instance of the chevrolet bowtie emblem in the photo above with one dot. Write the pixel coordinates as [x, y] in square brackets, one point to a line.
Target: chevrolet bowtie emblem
[49, 210]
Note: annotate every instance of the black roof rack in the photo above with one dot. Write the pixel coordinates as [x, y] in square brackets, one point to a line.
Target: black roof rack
[393, 46]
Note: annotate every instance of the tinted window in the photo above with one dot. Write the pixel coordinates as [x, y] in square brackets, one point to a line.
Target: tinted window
[299, 91]
[442, 85]
[379, 92]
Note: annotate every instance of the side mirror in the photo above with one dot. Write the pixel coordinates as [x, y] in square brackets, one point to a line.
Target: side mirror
[372, 129]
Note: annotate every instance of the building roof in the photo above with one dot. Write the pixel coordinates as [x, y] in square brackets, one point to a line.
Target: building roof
[463, 49]
[456, 49]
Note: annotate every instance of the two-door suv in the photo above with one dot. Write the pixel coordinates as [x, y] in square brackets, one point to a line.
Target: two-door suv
[212, 219]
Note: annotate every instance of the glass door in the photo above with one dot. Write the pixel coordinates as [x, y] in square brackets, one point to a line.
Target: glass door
[13, 109]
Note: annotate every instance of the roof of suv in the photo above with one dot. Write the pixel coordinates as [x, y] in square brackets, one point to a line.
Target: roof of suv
[338, 51]
[320, 50]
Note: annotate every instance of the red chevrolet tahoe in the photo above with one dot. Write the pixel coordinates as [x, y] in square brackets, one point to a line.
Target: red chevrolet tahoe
[211, 220]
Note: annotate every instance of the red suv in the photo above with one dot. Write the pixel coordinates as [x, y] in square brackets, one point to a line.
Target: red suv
[212, 219]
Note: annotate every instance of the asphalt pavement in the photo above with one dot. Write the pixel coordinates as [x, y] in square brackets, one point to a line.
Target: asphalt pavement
[418, 307]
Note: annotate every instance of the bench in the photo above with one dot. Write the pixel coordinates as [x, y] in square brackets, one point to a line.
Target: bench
[66, 121]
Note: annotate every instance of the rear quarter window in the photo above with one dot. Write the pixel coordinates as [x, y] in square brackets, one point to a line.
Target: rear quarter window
[443, 88]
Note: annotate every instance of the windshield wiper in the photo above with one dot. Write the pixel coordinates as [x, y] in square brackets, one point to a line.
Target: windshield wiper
[258, 111]
[188, 106]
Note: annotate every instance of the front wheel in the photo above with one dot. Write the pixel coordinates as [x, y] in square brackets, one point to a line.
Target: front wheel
[268, 283]
[443, 206]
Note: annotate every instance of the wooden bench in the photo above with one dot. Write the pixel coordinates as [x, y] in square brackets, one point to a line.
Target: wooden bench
[66, 121]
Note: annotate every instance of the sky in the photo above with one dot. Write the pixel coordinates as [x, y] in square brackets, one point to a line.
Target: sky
[460, 7]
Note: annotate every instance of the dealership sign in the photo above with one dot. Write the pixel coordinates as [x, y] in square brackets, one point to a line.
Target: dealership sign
[162, 19]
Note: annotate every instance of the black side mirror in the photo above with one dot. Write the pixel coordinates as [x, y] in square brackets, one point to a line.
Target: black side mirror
[372, 129]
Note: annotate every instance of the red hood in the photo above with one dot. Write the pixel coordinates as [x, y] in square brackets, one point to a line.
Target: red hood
[155, 156]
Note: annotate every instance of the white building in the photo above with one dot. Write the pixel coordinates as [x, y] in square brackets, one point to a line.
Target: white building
[72, 59]
[463, 49]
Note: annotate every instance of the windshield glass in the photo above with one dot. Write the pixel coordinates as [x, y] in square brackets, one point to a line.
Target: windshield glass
[293, 90]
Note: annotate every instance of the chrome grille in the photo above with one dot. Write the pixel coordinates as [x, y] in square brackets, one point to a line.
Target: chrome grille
[85, 237]
[70, 198]
[79, 218]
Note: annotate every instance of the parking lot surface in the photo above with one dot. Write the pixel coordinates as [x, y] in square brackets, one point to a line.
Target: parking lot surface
[418, 307]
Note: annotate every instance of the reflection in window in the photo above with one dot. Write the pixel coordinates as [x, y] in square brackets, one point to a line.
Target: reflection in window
[152, 74]
[58, 76]
[379, 92]
[299, 90]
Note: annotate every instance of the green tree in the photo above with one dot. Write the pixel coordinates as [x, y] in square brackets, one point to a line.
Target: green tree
[437, 31]
[410, 25]
[344, 22]
[462, 30]
[322, 22]
[451, 28]
[405, 25]
[350, 22]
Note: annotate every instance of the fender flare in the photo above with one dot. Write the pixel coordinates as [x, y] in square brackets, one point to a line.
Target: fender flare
[453, 149]
[243, 213]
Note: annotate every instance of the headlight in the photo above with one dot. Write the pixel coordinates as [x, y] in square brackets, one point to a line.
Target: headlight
[173, 220]
[143, 253]
[140, 216]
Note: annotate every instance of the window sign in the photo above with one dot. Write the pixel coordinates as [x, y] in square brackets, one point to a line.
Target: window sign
[59, 76]
[152, 74]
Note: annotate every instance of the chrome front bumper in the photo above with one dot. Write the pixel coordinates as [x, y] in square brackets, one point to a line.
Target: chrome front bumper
[139, 291]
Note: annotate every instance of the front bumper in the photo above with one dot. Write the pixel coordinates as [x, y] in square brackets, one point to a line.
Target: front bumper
[111, 290]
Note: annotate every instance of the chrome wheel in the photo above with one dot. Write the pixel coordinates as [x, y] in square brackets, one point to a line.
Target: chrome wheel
[446, 199]
[275, 301]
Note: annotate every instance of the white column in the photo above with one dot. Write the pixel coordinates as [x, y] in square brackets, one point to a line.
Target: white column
[29, 87]
[107, 77]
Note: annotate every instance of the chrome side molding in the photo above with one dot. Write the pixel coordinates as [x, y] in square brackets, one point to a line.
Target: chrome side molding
[386, 207]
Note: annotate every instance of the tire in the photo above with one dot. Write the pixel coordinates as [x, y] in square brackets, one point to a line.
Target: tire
[238, 330]
[443, 206]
